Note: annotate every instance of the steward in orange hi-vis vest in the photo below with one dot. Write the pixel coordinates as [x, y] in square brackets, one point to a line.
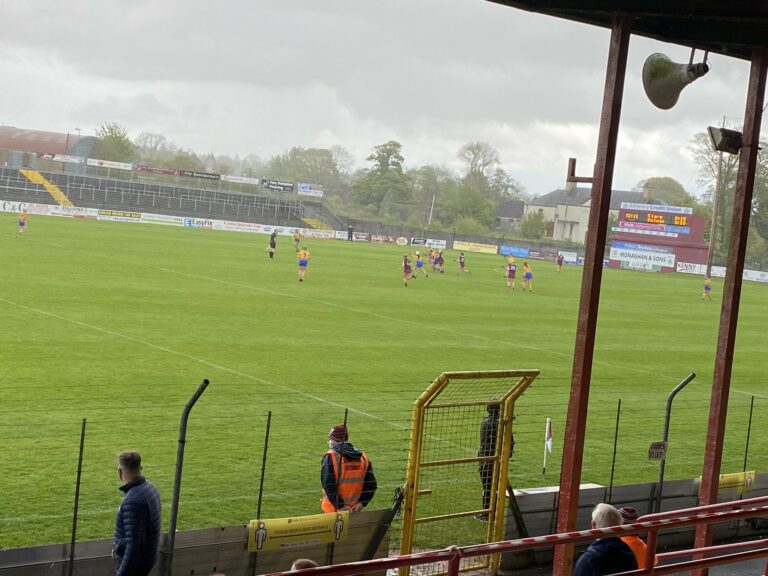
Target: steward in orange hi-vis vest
[346, 474]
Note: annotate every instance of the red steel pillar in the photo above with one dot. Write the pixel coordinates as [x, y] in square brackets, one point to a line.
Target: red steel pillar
[729, 314]
[573, 445]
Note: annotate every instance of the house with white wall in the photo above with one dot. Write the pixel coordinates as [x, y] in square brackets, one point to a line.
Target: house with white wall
[567, 211]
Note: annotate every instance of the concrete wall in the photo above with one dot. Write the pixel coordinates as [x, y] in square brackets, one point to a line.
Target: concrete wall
[539, 509]
[202, 552]
[198, 552]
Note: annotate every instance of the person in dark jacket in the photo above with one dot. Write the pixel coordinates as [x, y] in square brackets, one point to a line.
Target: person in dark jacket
[346, 474]
[137, 527]
[272, 244]
[489, 429]
[606, 555]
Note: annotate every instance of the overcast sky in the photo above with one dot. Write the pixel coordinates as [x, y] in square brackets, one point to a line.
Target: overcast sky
[261, 76]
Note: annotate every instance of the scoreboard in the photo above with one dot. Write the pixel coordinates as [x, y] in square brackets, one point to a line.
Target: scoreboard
[657, 218]
[653, 220]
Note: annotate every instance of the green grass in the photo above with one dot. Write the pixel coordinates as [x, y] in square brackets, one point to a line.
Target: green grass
[118, 324]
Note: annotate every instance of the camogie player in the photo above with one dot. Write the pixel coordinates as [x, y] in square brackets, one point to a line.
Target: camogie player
[407, 270]
[23, 217]
[511, 273]
[527, 276]
[462, 264]
[419, 265]
[303, 257]
[439, 261]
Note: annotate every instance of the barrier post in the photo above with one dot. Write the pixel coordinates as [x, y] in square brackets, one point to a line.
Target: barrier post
[166, 567]
[667, 416]
[615, 445]
[77, 501]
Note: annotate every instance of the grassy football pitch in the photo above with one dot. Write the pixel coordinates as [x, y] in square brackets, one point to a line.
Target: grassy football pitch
[119, 323]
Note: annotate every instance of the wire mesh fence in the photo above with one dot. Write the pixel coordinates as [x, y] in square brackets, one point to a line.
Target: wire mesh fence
[39, 444]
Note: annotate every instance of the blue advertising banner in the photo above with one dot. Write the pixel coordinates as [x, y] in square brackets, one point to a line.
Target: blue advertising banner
[515, 251]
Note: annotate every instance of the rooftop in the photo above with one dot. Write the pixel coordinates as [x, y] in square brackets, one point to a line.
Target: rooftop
[730, 28]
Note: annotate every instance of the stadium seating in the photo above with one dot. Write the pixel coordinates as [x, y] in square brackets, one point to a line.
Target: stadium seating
[14, 186]
[113, 194]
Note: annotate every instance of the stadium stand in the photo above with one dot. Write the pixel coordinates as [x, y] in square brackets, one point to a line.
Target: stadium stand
[14, 186]
[113, 194]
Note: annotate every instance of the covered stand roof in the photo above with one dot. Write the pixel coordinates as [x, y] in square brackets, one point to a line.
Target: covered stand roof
[731, 28]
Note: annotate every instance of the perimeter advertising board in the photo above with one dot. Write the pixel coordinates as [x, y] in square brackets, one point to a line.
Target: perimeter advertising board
[516, 251]
[309, 189]
[642, 256]
[429, 243]
[475, 247]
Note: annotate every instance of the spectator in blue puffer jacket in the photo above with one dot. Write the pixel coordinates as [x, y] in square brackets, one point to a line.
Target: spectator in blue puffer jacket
[137, 527]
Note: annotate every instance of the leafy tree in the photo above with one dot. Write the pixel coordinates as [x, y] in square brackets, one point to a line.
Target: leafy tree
[252, 166]
[760, 194]
[468, 225]
[467, 201]
[667, 190]
[183, 160]
[432, 188]
[385, 180]
[481, 158]
[114, 144]
[152, 147]
[707, 160]
[533, 225]
[224, 165]
[504, 187]
[343, 159]
[309, 165]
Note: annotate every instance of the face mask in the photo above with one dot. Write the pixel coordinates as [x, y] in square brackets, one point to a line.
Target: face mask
[330, 443]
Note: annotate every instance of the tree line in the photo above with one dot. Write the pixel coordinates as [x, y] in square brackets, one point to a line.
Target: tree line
[437, 198]
[429, 196]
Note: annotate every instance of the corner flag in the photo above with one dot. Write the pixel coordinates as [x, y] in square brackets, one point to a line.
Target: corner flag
[548, 436]
[547, 443]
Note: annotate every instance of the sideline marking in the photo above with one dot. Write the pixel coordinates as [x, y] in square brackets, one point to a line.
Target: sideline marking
[394, 319]
[749, 393]
[605, 363]
[198, 360]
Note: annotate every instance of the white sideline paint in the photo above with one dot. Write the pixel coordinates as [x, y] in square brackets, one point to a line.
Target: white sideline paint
[644, 371]
[392, 318]
[198, 360]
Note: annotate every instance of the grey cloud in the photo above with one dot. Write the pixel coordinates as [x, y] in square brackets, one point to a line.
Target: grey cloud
[239, 77]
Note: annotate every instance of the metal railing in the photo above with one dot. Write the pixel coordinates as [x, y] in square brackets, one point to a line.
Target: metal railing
[652, 524]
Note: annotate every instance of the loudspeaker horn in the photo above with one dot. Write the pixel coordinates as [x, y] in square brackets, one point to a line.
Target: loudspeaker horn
[663, 79]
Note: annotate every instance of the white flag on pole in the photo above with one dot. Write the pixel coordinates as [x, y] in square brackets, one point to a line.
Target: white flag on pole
[548, 436]
[547, 444]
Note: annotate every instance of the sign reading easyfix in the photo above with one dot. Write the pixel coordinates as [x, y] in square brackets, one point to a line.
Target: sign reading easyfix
[286, 533]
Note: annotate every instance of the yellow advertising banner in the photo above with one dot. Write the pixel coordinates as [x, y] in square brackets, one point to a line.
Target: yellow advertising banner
[738, 482]
[286, 533]
[475, 247]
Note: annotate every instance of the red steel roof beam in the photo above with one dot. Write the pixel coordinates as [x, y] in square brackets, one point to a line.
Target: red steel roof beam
[573, 446]
[729, 314]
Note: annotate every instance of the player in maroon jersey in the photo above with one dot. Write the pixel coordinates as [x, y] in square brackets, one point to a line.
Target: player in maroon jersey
[511, 273]
[407, 270]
